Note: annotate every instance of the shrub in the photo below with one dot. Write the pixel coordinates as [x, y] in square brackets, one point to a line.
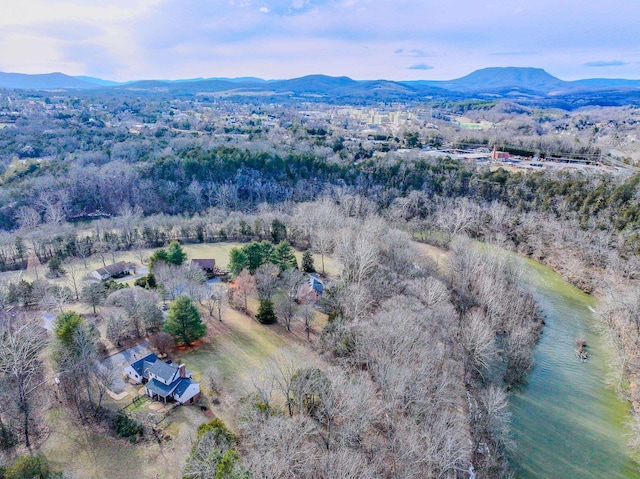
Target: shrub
[7, 438]
[147, 282]
[30, 467]
[217, 427]
[127, 427]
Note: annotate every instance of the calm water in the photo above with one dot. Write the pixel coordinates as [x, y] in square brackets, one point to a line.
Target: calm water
[566, 422]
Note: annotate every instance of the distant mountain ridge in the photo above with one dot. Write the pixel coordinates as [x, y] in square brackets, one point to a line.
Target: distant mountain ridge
[505, 82]
[503, 78]
[25, 81]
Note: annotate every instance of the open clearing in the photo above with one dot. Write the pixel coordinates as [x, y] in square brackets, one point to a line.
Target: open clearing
[239, 347]
[244, 351]
[218, 251]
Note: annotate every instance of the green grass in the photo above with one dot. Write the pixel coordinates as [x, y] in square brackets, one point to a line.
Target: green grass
[239, 347]
[138, 405]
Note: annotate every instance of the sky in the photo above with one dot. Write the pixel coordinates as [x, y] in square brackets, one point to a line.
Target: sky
[364, 39]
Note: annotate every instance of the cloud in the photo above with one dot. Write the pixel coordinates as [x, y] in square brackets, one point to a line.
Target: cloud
[515, 53]
[605, 63]
[415, 52]
[420, 66]
[121, 39]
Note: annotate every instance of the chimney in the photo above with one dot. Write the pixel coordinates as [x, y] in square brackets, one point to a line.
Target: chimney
[183, 371]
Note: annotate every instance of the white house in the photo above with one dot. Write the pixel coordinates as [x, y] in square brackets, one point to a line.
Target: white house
[164, 381]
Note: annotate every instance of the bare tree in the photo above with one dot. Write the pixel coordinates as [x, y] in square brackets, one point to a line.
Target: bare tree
[74, 277]
[27, 217]
[266, 277]
[56, 297]
[456, 216]
[20, 364]
[306, 313]
[287, 306]
[214, 298]
[129, 219]
[244, 286]
[102, 379]
[215, 380]
[162, 342]
[118, 327]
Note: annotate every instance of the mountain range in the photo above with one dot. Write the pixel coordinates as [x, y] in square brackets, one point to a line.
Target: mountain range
[488, 82]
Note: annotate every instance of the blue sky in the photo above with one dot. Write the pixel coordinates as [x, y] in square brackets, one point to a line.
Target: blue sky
[363, 39]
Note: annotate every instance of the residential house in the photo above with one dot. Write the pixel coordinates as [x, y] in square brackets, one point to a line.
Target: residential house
[164, 380]
[207, 265]
[115, 270]
[311, 290]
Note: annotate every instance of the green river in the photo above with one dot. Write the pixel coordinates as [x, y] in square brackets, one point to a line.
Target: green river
[566, 422]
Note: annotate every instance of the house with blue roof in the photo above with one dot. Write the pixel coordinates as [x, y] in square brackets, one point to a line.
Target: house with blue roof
[311, 290]
[164, 381]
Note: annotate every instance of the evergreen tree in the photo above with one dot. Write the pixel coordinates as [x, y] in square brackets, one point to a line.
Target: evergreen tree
[158, 255]
[255, 255]
[245, 228]
[55, 267]
[278, 231]
[66, 325]
[307, 262]
[29, 466]
[267, 252]
[184, 322]
[147, 282]
[238, 260]
[175, 254]
[265, 314]
[284, 257]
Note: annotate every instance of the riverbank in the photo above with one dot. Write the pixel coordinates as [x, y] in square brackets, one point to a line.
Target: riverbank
[567, 420]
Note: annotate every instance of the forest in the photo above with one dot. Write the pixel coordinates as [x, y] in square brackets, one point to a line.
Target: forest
[409, 371]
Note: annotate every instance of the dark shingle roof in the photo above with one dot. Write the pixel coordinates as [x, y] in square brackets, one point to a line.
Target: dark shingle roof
[114, 268]
[205, 263]
[161, 389]
[316, 284]
[163, 370]
[183, 384]
[141, 365]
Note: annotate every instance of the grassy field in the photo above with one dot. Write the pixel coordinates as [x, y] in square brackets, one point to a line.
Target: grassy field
[438, 255]
[218, 251]
[87, 453]
[243, 350]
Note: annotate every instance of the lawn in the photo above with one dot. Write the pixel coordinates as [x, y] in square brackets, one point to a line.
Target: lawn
[218, 251]
[86, 453]
[244, 352]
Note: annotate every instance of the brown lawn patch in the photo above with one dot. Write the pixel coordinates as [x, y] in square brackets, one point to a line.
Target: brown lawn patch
[117, 397]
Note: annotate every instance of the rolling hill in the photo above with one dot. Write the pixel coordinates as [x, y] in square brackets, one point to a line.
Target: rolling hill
[534, 84]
